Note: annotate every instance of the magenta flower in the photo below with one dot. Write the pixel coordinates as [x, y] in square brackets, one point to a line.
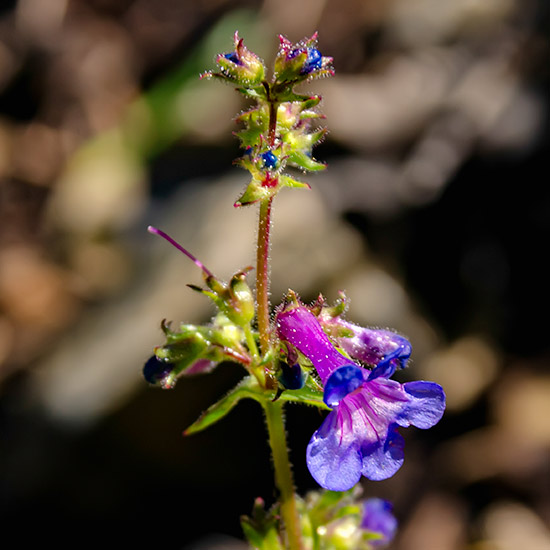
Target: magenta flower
[359, 436]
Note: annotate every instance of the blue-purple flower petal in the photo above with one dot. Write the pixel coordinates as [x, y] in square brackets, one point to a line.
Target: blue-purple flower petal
[426, 404]
[334, 464]
[363, 426]
[383, 460]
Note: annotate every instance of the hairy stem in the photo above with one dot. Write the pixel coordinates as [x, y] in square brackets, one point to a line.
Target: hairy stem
[283, 473]
[262, 274]
[274, 410]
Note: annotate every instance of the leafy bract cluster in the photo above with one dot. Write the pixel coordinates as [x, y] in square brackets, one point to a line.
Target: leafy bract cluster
[330, 520]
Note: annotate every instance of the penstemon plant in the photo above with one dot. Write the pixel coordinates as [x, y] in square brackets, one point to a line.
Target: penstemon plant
[301, 353]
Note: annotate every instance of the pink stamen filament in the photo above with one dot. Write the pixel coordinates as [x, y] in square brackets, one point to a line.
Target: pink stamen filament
[162, 234]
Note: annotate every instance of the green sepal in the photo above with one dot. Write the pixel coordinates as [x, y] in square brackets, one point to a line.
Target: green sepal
[310, 102]
[249, 137]
[255, 192]
[257, 92]
[190, 348]
[234, 300]
[285, 93]
[256, 124]
[308, 114]
[287, 181]
[288, 70]
[301, 160]
[317, 136]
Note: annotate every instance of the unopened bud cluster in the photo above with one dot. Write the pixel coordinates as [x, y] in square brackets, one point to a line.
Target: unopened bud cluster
[280, 130]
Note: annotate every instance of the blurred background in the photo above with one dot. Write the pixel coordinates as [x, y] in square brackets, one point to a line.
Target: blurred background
[434, 217]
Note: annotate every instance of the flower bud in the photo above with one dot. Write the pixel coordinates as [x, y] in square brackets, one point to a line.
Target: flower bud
[295, 62]
[159, 372]
[269, 159]
[241, 65]
[292, 377]
[187, 349]
[240, 302]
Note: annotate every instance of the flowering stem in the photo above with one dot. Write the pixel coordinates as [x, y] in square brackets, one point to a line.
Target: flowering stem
[283, 472]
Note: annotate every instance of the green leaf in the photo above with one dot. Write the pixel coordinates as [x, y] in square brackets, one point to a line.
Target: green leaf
[247, 388]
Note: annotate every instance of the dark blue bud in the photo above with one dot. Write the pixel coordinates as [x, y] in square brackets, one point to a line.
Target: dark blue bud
[233, 57]
[156, 371]
[313, 62]
[292, 377]
[270, 159]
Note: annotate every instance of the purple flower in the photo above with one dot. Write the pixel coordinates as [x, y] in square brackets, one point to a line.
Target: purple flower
[359, 436]
[378, 518]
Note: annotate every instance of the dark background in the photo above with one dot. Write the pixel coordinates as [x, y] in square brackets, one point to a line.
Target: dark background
[438, 181]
